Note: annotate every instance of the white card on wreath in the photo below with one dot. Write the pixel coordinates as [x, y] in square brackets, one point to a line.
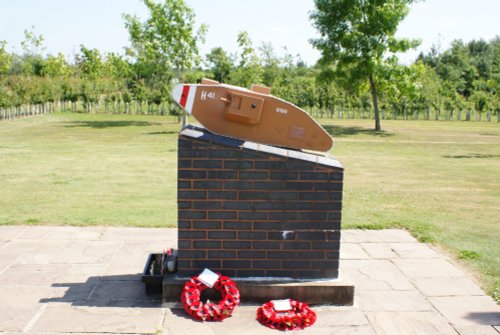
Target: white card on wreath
[208, 277]
[282, 305]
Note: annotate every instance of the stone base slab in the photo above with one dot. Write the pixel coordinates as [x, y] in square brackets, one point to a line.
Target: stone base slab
[336, 292]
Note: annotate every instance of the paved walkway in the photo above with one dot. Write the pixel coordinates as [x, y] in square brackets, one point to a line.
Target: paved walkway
[60, 280]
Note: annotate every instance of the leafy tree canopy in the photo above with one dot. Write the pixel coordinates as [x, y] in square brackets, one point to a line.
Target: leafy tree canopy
[357, 34]
[5, 59]
[166, 43]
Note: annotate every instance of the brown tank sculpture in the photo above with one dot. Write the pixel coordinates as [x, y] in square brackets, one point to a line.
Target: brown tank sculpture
[251, 115]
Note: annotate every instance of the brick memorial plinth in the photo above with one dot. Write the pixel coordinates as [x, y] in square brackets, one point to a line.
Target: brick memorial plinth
[251, 211]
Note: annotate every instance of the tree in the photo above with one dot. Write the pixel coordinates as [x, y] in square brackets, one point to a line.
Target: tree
[166, 43]
[56, 66]
[5, 59]
[219, 63]
[357, 34]
[32, 45]
[248, 70]
[90, 63]
[117, 67]
[270, 65]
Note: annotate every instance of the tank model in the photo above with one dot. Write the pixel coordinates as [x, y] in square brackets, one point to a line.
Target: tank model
[251, 115]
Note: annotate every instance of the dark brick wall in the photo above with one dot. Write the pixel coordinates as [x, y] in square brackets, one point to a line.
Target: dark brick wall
[247, 213]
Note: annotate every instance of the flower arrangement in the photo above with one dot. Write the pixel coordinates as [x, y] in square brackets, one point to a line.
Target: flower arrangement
[298, 317]
[210, 311]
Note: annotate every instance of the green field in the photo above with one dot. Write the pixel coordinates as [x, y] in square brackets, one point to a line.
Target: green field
[438, 179]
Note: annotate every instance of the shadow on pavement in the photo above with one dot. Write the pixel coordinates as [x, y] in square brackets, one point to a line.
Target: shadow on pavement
[485, 318]
[106, 291]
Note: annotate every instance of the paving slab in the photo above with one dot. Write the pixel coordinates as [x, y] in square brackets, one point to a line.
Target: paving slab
[352, 251]
[145, 247]
[119, 265]
[392, 301]
[476, 330]
[74, 280]
[118, 290]
[61, 318]
[442, 286]
[36, 233]
[86, 252]
[427, 268]
[330, 320]
[379, 250]
[385, 235]
[140, 234]
[74, 293]
[80, 273]
[468, 311]
[413, 250]
[410, 323]
[19, 304]
[11, 232]
[374, 275]
[76, 233]
[5, 262]
[21, 251]
[340, 316]
[33, 274]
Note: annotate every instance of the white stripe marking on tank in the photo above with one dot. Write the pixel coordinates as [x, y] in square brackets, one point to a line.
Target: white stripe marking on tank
[177, 92]
[190, 99]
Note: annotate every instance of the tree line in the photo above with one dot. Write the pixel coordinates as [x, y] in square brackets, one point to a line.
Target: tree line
[464, 77]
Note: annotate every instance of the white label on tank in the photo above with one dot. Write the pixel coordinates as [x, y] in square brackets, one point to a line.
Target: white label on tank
[281, 110]
[209, 95]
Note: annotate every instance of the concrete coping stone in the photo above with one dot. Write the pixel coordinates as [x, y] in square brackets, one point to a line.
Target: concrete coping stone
[201, 133]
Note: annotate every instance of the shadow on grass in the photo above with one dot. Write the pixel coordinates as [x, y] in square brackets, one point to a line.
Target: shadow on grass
[110, 124]
[162, 133]
[339, 131]
[471, 156]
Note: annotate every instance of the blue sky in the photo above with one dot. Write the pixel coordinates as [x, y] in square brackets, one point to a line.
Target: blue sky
[66, 24]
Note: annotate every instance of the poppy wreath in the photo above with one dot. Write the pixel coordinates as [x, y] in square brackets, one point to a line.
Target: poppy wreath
[210, 311]
[299, 317]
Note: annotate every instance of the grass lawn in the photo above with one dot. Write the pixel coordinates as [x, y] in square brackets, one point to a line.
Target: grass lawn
[438, 179]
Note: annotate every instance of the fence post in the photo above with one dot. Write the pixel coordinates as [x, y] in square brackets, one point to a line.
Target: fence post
[489, 116]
